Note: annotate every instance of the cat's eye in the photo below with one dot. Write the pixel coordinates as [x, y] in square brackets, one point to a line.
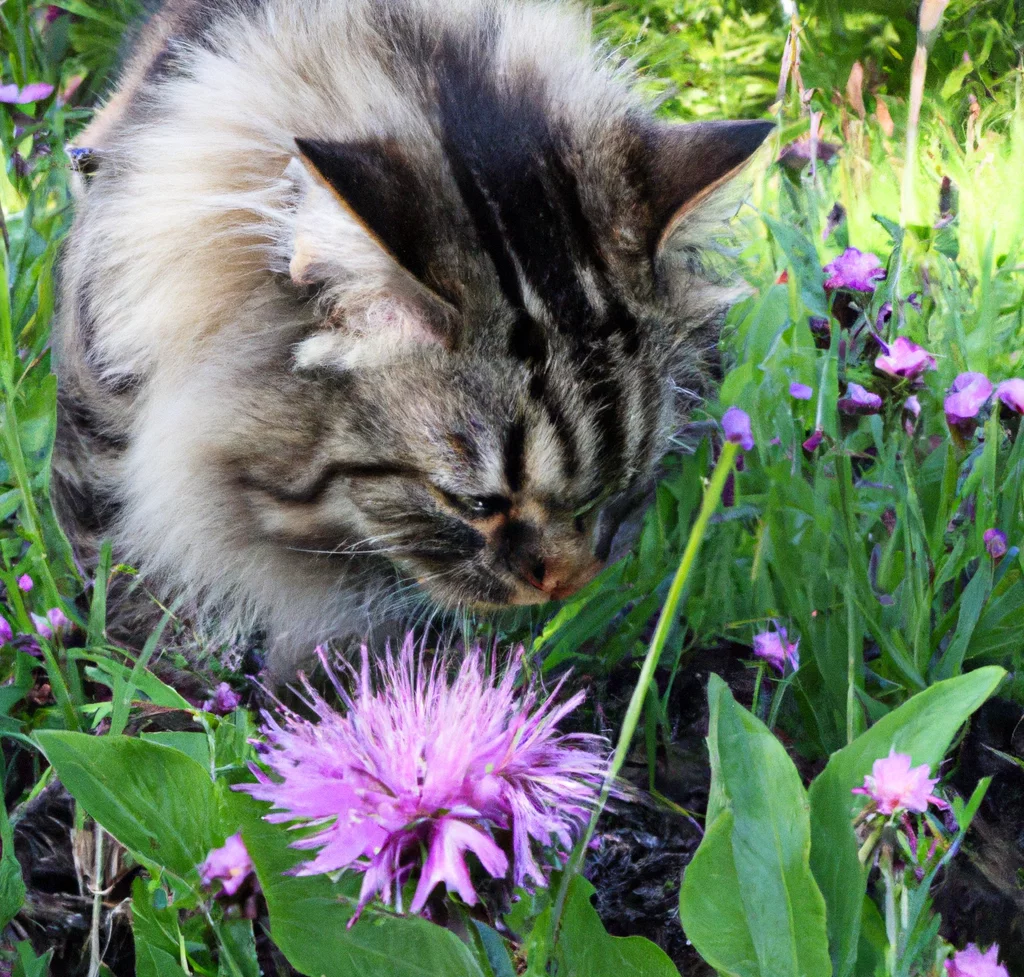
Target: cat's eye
[477, 506]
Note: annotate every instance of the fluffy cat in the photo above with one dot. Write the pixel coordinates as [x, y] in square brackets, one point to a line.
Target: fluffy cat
[369, 303]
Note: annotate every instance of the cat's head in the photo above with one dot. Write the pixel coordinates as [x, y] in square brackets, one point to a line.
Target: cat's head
[512, 317]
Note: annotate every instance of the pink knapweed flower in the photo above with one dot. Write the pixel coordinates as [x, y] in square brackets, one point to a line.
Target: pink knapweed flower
[1011, 393]
[736, 424]
[230, 864]
[35, 92]
[904, 359]
[995, 543]
[224, 700]
[6, 631]
[859, 401]
[25, 583]
[971, 962]
[893, 785]
[800, 391]
[855, 271]
[776, 649]
[421, 764]
[969, 393]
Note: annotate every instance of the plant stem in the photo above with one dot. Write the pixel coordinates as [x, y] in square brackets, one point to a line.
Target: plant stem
[712, 496]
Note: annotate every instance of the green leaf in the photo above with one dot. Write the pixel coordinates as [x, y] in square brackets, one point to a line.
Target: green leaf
[922, 727]
[585, 949]
[756, 789]
[156, 935]
[156, 801]
[309, 915]
[12, 888]
[28, 964]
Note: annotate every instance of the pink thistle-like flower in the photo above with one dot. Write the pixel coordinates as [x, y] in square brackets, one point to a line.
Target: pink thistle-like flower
[995, 543]
[35, 92]
[1011, 393]
[904, 359]
[421, 763]
[25, 583]
[736, 424]
[971, 962]
[855, 271]
[776, 649]
[6, 631]
[969, 393]
[800, 391]
[893, 785]
[224, 700]
[230, 864]
[859, 401]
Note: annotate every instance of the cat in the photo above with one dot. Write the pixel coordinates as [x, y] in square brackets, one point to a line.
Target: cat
[375, 304]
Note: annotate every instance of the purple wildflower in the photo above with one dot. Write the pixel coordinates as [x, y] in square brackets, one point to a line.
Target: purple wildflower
[797, 154]
[6, 631]
[24, 583]
[859, 401]
[819, 327]
[995, 543]
[814, 440]
[800, 391]
[421, 763]
[54, 623]
[904, 359]
[35, 92]
[230, 864]
[914, 299]
[911, 412]
[893, 785]
[855, 271]
[775, 648]
[966, 397]
[971, 962]
[224, 700]
[736, 424]
[1011, 393]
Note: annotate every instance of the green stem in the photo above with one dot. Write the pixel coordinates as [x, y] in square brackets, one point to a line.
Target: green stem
[666, 621]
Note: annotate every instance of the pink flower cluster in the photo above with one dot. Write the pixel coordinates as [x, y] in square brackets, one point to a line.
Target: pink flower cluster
[423, 769]
[895, 785]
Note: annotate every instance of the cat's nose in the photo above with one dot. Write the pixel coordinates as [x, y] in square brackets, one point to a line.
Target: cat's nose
[558, 579]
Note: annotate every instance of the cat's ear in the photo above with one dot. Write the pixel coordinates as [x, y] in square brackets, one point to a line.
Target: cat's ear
[688, 162]
[377, 185]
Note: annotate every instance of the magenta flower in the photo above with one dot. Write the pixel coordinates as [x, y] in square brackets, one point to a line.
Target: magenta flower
[904, 359]
[800, 391]
[24, 583]
[814, 440]
[893, 785]
[736, 424]
[966, 397]
[224, 700]
[35, 92]
[859, 401]
[1011, 393]
[855, 271]
[971, 962]
[423, 764]
[776, 649]
[995, 543]
[55, 622]
[230, 864]
[797, 154]
[6, 631]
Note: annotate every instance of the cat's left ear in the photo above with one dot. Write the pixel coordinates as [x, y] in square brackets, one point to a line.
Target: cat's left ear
[687, 162]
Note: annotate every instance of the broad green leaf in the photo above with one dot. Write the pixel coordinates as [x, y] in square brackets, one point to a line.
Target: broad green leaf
[28, 964]
[711, 905]
[757, 786]
[156, 936]
[585, 949]
[12, 888]
[922, 727]
[155, 800]
[309, 916]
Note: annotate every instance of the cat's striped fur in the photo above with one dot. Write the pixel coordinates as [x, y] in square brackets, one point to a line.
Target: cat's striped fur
[369, 300]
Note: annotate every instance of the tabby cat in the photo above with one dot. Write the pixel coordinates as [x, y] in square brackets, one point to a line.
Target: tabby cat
[377, 303]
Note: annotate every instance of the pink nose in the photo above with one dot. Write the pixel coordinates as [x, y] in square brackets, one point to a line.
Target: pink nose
[558, 579]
